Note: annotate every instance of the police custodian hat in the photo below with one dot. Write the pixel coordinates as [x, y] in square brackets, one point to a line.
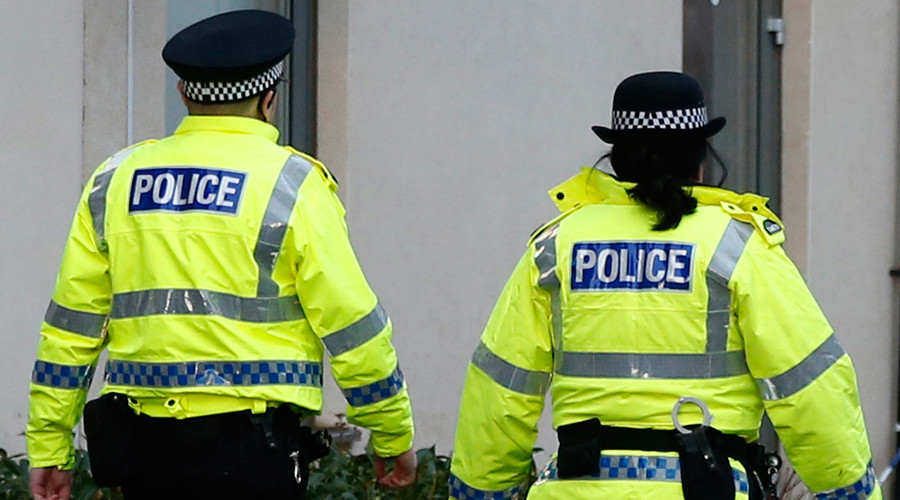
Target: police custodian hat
[658, 104]
[232, 56]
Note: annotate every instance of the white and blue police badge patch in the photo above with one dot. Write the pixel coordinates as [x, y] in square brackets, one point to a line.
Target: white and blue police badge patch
[181, 189]
[771, 226]
[632, 266]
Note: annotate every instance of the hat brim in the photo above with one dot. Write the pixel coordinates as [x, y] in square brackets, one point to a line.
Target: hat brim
[611, 136]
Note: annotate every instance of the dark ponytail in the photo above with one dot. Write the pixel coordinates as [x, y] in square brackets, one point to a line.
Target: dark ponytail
[661, 171]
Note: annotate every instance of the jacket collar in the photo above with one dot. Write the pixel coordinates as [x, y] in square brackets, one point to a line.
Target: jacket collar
[227, 124]
[592, 186]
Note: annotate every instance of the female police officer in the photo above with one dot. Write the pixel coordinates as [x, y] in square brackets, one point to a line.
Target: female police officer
[665, 318]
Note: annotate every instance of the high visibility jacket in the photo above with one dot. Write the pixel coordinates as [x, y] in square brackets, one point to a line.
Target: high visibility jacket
[619, 321]
[213, 265]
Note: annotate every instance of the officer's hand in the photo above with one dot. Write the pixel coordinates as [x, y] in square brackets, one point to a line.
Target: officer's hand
[404, 473]
[50, 483]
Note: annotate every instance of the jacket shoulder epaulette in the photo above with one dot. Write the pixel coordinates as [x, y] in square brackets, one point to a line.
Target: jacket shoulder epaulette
[329, 178]
[139, 144]
[111, 161]
[136, 146]
[552, 222]
[766, 223]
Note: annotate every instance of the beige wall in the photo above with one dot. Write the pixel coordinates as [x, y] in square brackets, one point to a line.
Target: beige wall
[852, 181]
[40, 160]
[448, 122]
[841, 116]
[124, 84]
[64, 107]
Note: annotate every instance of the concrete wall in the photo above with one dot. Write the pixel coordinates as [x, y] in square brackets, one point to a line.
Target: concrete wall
[459, 117]
[852, 182]
[124, 76]
[69, 99]
[446, 123]
[40, 160]
[840, 112]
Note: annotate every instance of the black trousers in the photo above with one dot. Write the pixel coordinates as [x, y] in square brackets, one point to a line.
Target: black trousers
[228, 456]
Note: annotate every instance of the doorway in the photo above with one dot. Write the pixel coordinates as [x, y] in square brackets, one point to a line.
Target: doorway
[733, 48]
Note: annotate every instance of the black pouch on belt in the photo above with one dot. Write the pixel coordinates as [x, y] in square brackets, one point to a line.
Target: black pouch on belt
[315, 445]
[110, 428]
[705, 471]
[579, 449]
[286, 441]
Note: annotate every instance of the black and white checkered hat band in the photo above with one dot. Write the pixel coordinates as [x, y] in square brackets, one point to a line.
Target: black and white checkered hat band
[232, 91]
[678, 119]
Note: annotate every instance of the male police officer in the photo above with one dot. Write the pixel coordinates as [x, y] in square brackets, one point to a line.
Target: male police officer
[213, 264]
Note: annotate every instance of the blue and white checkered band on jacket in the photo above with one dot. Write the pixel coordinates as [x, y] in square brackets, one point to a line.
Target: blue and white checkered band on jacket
[218, 92]
[675, 119]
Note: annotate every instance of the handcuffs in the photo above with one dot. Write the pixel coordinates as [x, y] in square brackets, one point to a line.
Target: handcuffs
[676, 408]
[770, 462]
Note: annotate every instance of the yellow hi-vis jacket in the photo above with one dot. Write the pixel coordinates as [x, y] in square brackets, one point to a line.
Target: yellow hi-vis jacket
[619, 321]
[213, 265]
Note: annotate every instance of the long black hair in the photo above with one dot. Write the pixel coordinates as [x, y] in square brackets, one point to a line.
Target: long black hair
[663, 171]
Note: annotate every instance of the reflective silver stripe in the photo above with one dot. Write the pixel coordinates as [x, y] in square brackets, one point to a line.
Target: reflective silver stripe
[721, 266]
[545, 260]
[509, 375]
[358, 333]
[70, 320]
[859, 490]
[803, 373]
[718, 316]
[665, 366]
[203, 373]
[556, 327]
[97, 197]
[275, 220]
[205, 302]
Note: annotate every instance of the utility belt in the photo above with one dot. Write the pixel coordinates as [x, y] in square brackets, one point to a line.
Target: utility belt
[703, 453]
[125, 448]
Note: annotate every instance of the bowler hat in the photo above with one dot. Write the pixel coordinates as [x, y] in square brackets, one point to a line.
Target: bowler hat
[659, 104]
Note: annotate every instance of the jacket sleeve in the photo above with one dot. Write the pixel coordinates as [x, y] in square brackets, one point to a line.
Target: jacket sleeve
[345, 313]
[72, 337]
[504, 391]
[806, 380]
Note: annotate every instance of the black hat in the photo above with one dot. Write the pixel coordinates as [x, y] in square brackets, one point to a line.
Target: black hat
[231, 56]
[662, 104]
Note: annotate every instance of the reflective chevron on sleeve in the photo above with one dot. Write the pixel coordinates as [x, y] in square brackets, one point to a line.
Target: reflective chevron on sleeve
[803, 373]
[509, 375]
[70, 320]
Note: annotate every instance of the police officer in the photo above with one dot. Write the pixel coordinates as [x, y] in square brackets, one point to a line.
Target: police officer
[665, 318]
[214, 265]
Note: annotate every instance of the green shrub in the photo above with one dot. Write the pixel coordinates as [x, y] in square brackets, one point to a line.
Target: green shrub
[339, 476]
[14, 479]
[342, 476]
